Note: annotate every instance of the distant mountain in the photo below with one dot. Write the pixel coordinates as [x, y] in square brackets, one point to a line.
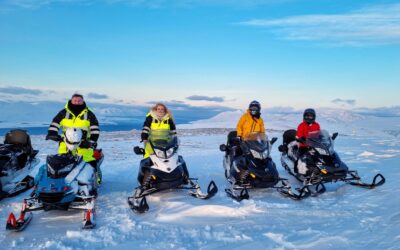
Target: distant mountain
[340, 120]
[38, 114]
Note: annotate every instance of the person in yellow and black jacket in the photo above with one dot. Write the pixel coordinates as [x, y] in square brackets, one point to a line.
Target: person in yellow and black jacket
[159, 117]
[76, 114]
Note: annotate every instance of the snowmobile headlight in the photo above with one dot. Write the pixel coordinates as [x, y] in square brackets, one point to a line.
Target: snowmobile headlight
[170, 152]
[159, 153]
[322, 151]
[66, 169]
[259, 155]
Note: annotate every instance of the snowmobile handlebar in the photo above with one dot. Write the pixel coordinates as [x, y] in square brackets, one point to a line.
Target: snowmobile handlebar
[301, 139]
[56, 138]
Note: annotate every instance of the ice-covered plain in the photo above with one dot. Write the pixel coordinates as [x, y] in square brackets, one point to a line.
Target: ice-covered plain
[345, 217]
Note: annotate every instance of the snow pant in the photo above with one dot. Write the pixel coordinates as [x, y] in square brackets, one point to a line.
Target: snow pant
[87, 153]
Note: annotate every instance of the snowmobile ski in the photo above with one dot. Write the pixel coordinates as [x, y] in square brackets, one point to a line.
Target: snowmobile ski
[88, 219]
[236, 195]
[372, 185]
[211, 191]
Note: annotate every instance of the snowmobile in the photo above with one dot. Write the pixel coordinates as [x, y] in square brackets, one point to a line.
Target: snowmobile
[18, 165]
[164, 169]
[64, 182]
[322, 163]
[248, 164]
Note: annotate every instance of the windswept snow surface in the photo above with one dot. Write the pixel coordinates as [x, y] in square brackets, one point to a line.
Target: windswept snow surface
[345, 217]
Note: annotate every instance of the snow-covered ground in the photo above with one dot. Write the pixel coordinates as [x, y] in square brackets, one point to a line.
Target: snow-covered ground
[345, 217]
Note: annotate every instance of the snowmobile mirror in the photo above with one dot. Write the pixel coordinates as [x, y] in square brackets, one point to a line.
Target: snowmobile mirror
[273, 140]
[138, 150]
[222, 147]
[335, 135]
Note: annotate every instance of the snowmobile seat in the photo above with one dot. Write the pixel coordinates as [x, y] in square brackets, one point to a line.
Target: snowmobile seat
[20, 139]
[289, 136]
[231, 138]
[233, 144]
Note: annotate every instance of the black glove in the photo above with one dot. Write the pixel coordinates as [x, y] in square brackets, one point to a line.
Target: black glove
[85, 144]
[301, 139]
[283, 148]
[88, 144]
[56, 138]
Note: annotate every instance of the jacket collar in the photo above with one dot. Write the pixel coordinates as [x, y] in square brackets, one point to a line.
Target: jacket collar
[70, 111]
[154, 115]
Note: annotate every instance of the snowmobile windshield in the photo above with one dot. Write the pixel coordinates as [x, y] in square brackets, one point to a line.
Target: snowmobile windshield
[258, 144]
[321, 141]
[60, 165]
[164, 142]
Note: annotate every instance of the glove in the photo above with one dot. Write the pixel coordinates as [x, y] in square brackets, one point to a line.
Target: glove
[283, 148]
[85, 144]
[301, 139]
[56, 138]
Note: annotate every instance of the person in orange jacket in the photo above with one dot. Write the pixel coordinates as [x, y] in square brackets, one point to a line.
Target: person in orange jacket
[251, 121]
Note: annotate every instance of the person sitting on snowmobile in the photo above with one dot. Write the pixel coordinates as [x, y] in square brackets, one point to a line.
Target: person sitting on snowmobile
[308, 125]
[251, 121]
[77, 115]
[158, 118]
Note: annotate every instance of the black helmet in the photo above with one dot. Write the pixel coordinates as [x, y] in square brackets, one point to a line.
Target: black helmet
[255, 108]
[309, 116]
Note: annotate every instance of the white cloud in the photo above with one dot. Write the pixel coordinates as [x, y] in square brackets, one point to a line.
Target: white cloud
[370, 25]
[350, 102]
[206, 98]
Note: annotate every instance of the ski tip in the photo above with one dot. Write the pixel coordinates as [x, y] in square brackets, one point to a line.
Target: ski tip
[88, 222]
[139, 207]
[11, 222]
[17, 225]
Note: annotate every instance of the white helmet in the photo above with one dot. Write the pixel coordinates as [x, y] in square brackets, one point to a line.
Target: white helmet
[73, 138]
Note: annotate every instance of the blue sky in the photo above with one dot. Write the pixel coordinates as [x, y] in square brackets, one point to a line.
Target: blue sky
[281, 52]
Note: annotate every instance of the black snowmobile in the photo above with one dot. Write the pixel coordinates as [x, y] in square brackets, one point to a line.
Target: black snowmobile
[18, 165]
[321, 162]
[65, 182]
[248, 164]
[164, 169]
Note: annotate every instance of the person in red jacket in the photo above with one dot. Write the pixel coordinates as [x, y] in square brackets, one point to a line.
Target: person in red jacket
[308, 125]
